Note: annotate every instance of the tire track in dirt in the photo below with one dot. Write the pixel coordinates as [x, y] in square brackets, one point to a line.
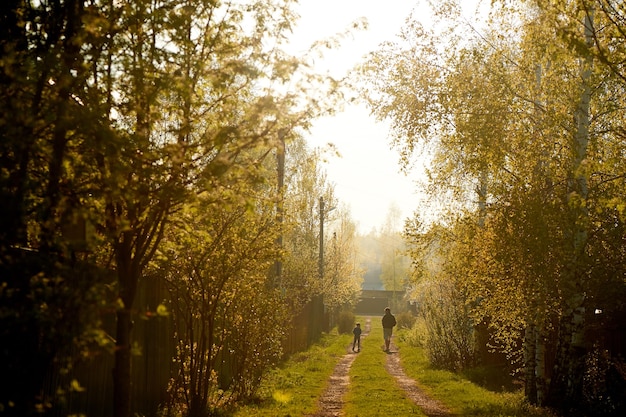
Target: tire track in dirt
[428, 405]
[331, 402]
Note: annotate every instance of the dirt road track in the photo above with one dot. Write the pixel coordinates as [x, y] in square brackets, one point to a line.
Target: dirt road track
[331, 402]
[428, 405]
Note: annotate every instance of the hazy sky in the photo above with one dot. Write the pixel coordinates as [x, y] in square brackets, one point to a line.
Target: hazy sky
[367, 177]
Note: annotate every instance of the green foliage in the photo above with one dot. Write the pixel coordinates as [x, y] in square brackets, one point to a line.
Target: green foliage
[346, 322]
[383, 255]
[115, 116]
[294, 387]
[305, 183]
[415, 336]
[342, 278]
[441, 300]
[394, 264]
[405, 320]
[523, 143]
[229, 321]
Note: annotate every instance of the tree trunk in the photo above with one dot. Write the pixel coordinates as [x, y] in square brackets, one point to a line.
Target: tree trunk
[121, 370]
[565, 392]
[530, 383]
[566, 385]
[534, 364]
[127, 277]
[540, 365]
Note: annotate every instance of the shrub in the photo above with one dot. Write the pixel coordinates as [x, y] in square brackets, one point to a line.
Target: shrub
[346, 322]
[405, 320]
[450, 332]
[416, 336]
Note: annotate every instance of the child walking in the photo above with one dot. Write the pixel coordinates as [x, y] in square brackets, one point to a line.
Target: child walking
[357, 337]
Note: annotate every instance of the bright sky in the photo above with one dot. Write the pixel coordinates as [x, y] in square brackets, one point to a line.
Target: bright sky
[367, 177]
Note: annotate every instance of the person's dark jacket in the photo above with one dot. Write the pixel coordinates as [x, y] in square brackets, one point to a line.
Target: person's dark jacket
[389, 321]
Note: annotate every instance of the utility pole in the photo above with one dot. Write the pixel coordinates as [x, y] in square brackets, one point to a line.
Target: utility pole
[321, 261]
[280, 162]
[321, 309]
[395, 299]
[322, 214]
[321, 257]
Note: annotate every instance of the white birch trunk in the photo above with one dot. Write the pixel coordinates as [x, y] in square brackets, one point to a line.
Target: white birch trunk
[566, 385]
[530, 386]
[581, 141]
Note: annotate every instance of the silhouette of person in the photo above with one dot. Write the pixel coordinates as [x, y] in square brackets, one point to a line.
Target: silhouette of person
[389, 321]
[357, 337]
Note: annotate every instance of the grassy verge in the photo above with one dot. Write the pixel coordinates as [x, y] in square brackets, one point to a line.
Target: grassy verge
[294, 388]
[373, 392]
[459, 394]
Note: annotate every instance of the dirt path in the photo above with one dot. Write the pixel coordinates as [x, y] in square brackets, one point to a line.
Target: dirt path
[331, 402]
[428, 405]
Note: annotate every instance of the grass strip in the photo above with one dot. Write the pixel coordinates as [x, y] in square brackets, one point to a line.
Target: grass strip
[373, 392]
[461, 395]
[293, 388]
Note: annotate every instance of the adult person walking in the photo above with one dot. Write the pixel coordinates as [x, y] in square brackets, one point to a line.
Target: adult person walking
[389, 321]
[357, 337]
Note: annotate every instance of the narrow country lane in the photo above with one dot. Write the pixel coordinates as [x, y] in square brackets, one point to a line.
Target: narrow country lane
[331, 402]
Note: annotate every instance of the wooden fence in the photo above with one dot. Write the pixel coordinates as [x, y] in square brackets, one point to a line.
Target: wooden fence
[154, 348]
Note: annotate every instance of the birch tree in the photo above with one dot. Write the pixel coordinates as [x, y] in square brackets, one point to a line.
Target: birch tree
[524, 120]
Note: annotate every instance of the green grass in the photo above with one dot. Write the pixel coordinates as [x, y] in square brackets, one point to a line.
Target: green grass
[373, 392]
[294, 388]
[461, 395]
